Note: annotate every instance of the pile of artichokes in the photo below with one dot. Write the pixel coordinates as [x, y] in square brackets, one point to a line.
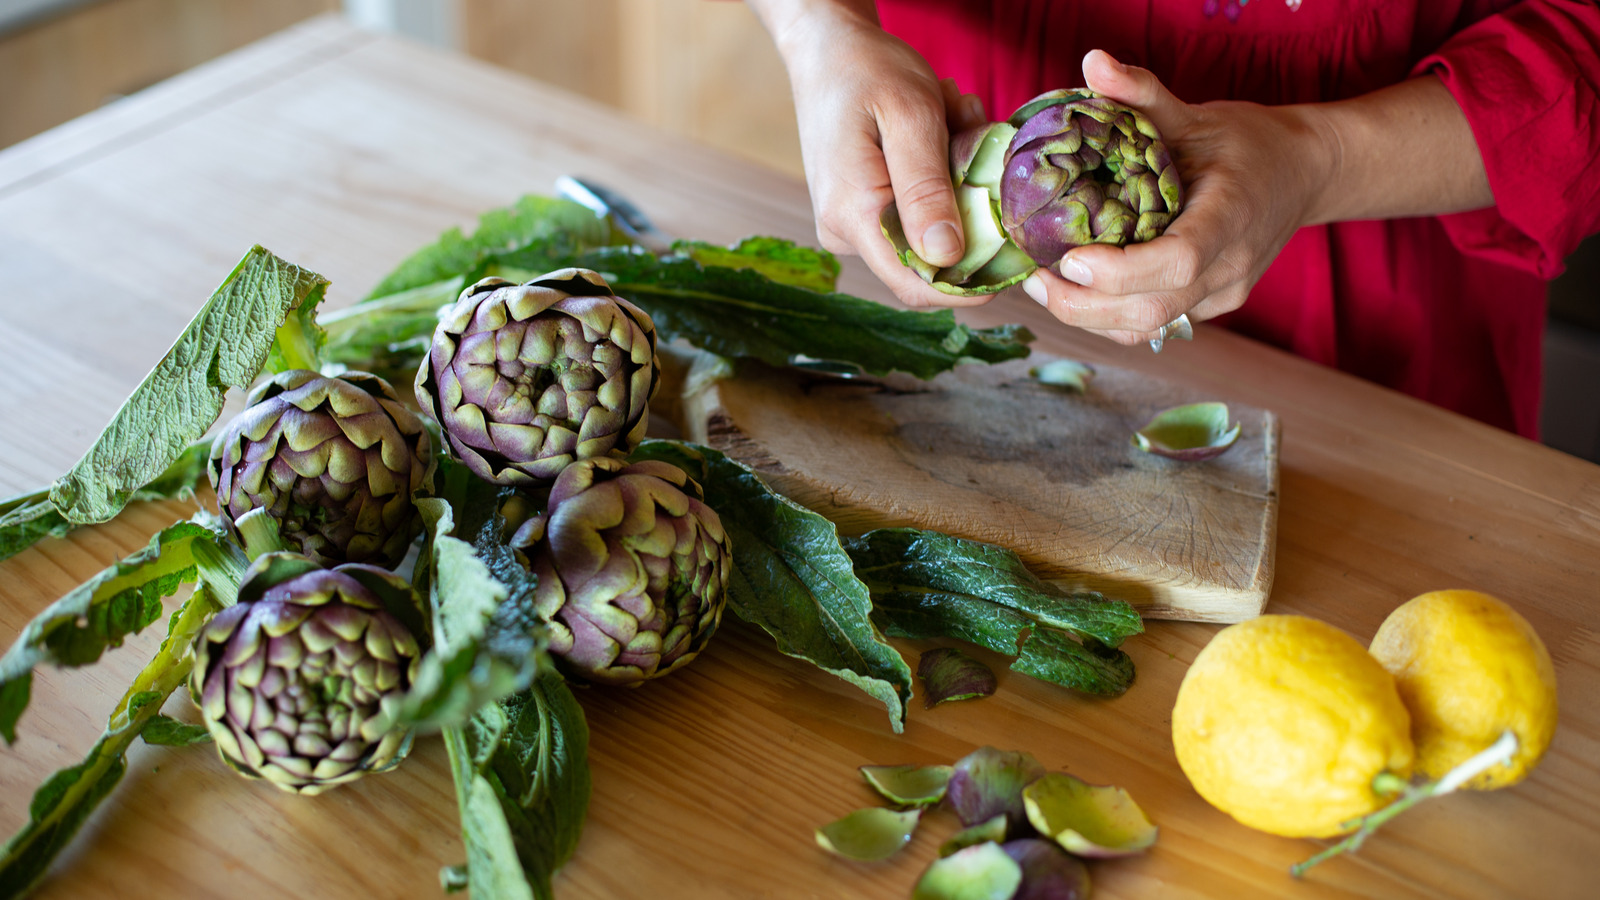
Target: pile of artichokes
[543, 387]
[1068, 168]
[547, 384]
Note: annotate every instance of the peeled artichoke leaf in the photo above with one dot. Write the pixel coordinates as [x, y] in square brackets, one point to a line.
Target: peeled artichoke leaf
[948, 674]
[1191, 433]
[122, 599]
[908, 785]
[1064, 373]
[1048, 872]
[989, 782]
[792, 578]
[869, 835]
[994, 829]
[980, 872]
[224, 346]
[1088, 820]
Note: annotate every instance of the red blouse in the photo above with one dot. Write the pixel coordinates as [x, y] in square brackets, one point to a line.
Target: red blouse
[1450, 308]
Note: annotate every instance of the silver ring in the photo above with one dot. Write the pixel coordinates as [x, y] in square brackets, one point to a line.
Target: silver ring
[1178, 329]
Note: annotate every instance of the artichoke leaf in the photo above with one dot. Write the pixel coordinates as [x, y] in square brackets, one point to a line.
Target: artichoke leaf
[99, 614]
[224, 346]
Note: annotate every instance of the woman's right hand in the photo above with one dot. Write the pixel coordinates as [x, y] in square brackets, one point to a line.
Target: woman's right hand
[873, 129]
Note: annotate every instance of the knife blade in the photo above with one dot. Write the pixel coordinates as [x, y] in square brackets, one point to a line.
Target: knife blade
[627, 217]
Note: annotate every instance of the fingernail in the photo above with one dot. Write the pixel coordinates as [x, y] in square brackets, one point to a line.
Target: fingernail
[973, 107]
[940, 242]
[1076, 272]
[1034, 287]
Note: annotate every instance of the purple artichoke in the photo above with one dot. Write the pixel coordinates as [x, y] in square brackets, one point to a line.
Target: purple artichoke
[525, 379]
[293, 679]
[1068, 168]
[632, 566]
[336, 461]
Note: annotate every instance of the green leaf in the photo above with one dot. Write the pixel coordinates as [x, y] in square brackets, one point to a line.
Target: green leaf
[100, 613]
[487, 642]
[522, 783]
[166, 731]
[67, 799]
[869, 835]
[781, 260]
[531, 219]
[742, 313]
[224, 346]
[925, 585]
[388, 336]
[28, 518]
[792, 578]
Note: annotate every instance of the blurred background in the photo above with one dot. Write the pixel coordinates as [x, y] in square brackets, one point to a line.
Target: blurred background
[700, 68]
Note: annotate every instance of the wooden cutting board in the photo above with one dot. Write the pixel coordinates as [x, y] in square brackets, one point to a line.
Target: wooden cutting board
[987, 452]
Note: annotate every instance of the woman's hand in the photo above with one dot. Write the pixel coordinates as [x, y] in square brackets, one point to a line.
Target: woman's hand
[874, 128]
[1252, 175]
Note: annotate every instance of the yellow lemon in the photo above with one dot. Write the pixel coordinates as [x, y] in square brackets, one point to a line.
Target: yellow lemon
[1469, 668]
[1285, 722]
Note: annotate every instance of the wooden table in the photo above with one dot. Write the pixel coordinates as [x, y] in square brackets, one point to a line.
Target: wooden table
[343, 151]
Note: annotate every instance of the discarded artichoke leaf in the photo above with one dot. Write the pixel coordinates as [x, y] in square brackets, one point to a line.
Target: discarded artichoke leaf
[1064, 373]
[988, 782]
[1048, 872]
[1191, 433]
[992, 830]
[980, 872]
[917, 786]
[1088, 820]
[868, 835]
[949, 674]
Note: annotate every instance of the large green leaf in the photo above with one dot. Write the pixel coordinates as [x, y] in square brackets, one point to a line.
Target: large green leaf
[487, 642]
[29, 518]
[66, 800]
[224, 346]
[530, 220]
[792, 578]
[926, 584]
[743, 313]
[522, 782]
[100, 613]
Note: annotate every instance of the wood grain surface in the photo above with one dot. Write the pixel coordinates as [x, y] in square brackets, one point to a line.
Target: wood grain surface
[343, 152]
[989, 453]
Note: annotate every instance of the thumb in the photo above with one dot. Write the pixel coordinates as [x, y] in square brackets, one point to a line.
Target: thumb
[918, 159]
[1135, 87]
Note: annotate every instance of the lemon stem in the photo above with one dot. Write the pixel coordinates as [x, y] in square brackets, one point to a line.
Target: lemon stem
[1498, 753]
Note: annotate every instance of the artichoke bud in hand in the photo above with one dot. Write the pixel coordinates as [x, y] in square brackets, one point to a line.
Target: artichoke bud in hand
[1068, 168]
[336, 461]
[632, 566]
[525, 379]
[293, 680]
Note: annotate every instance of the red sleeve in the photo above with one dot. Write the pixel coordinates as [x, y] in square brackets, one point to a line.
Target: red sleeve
[1528, 80]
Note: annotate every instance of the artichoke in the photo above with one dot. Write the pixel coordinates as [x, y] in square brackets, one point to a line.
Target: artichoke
[525, 379]
[632, 568]
[1068, 168]
[292, 681]
[336, 461]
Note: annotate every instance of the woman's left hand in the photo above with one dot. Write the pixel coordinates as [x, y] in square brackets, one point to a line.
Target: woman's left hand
[1251, 176]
